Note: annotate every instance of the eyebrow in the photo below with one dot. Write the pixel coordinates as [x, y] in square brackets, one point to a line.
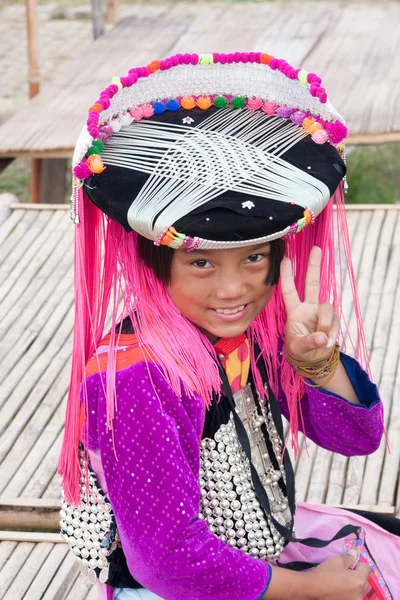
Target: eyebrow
[250, 248]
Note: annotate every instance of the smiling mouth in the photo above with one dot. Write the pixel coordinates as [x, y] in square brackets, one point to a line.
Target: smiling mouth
[230, 311]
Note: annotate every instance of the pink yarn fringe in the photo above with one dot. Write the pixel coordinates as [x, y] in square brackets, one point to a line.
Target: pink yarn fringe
[185, 357]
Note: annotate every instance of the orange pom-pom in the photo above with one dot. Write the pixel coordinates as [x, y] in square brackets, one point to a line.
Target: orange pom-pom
[314, 128]
[204, 102]
[308, 122]
[265, 59]
[95, 163]
[308, 216]
[96, 108]
[187, 102]
[151, 68]
[154, 66]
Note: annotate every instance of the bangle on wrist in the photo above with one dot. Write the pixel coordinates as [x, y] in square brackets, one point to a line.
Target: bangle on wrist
[319, 371]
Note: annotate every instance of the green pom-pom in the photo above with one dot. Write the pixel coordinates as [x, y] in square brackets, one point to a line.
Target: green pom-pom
[95, 148]
[302, 77]
[238, 102]
[220, 102]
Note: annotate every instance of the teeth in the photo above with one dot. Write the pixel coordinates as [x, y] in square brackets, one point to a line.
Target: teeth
[226, 311]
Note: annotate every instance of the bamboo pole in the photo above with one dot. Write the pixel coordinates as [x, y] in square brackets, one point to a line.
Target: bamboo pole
[34, 86]
[97, 18]
[112, 11]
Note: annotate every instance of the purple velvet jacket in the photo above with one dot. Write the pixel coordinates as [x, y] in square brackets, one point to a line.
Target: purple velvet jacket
[150, 472]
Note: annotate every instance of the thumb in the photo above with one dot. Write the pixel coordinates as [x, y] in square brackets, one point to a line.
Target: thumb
[316, 340]
[349, 558]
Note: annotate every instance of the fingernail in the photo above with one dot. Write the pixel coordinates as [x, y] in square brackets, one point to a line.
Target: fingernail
[330, 343]
[320, 340]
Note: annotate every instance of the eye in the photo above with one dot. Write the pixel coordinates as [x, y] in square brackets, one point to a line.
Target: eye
[253, 258]
[202, 263]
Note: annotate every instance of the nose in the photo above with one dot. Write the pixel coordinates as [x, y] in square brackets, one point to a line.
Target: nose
[231, 287]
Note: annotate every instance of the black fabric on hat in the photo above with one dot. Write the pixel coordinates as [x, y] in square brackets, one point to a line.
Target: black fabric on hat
[227, 217]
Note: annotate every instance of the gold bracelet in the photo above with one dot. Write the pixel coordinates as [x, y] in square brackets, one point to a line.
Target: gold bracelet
[322, 369]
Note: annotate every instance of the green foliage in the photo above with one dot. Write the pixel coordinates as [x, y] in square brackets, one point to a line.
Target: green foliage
[15, 180]
[373, 174]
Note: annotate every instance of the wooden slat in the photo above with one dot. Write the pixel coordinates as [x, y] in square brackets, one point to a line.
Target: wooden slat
[11, 570]
[28, 572]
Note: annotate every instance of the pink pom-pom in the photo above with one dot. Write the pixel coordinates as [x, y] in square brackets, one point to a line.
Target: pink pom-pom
[230, 58]
[337, 131]
[254, 103]
[273, 63]
[129, 81]
[320, 136]
[94, 132]
[314, 90]
[82, 170]
[175, 60]
[222, 59]
[147, 110]
[252, 57]
[313, 78]
[216, 56]
[236, 57]
[168, 63]
[298, 117]
[194, 59]
[105, 102]
[180, 58]
[269, 108]
[113, 89]
[136, 113]
[244, 57]
[186, 59]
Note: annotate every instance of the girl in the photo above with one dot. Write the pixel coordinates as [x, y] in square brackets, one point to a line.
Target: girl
[217, 175]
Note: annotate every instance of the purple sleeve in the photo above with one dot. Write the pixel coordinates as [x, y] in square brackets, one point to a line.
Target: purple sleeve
[336, 424]
[152, 477]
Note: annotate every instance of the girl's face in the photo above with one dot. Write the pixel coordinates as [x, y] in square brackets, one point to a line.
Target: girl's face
[221, 291]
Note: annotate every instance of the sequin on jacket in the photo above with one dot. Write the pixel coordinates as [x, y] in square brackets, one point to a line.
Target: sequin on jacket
[153, 472]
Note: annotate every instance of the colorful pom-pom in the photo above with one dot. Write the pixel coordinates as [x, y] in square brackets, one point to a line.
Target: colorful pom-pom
[105, 133]
[147, 110]
[159, 108]
[220, 102]
[173, 105]
[238, 102]
[95, 164]
[115, 124]
[117, 81]
[204, 102]
[269, 108]
[320, 136]
[308, 122]
[126, 119]
[284, 111]
[254, 103]
[314, 128]
[136, 113]
[302, 77]
[337, 131]
[82, 170]
[96, 147]
[297, 117]
[96, 108]
[188, 102]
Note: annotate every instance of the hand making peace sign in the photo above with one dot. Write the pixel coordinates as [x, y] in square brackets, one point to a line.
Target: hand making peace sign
[311, 327]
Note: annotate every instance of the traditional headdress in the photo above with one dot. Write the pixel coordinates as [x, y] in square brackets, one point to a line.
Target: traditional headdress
[199, 151]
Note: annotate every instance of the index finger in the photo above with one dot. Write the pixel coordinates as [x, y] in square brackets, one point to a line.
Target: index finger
[312, 282]
[288, 287]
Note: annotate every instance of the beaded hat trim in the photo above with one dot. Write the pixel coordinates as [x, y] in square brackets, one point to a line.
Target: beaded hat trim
[240, 80]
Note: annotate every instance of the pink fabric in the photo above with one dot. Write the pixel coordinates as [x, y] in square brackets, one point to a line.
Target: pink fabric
[324, 522]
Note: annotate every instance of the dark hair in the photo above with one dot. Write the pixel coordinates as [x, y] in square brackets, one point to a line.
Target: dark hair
[159, 259]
